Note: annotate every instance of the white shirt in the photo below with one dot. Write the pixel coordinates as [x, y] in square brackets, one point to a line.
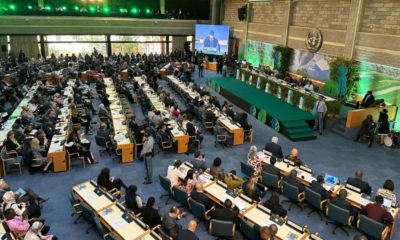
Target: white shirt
[309, 87]
[174, 174]
[320, 107]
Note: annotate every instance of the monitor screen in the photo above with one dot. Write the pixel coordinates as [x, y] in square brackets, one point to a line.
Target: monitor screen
[331, 179]
[212, 39]
[387, 203]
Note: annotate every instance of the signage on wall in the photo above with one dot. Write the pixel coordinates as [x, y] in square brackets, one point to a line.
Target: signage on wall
[314, 40]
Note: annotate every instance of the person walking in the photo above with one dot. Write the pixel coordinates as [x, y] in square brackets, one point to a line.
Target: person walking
[320, 110]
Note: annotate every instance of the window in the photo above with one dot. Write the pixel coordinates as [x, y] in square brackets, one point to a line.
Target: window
[75, 38]
[124, 38]
[136, 48]
[68, 44]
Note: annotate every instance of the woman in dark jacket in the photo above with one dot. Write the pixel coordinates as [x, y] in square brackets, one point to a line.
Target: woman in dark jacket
[150, 215]
[383, 124]
[104, 180]
[273, 204]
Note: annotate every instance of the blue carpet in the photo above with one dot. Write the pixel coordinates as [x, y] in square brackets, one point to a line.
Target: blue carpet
[329, 153]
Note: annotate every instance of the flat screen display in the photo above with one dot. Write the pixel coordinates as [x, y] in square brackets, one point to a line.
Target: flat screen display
[212, 39]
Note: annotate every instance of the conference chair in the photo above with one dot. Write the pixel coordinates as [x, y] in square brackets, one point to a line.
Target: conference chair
[194, 144]
[180, 196]
[166, 185]
[101, 230]
[110, 236]
[220, 139]
[295, 196]
[272, 181]
[11, 160]
[372, 228]
[101, 142]
[248, 135]
[340, 217]
[88, 215]
[222, 229]
[208, 126]
[74, 157]
[76, 207]
[246, 169]
[164, 145]
[199, 211]
[136, 148]
[162, 233]
[315, 202]
[248, 230]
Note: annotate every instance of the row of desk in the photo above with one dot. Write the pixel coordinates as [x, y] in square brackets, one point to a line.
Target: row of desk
[229, 125]
[25, 102]
[304, 175]
[179, 136]
[121, 130]
[115, 217]
[248, 209]
[57, 152]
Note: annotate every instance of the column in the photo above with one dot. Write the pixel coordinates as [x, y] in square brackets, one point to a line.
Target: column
[287, 18]
[356, 14]
[162, 6]
[216, 12]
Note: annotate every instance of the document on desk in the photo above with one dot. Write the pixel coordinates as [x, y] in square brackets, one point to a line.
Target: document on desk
[119, 223]
[239, 205]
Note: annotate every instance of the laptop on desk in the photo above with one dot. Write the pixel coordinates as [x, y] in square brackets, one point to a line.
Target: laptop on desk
[330, 182]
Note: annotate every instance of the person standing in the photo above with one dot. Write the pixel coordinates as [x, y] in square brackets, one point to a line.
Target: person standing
[201, 66]
[146, 154]
[384, 128]
[320, 111]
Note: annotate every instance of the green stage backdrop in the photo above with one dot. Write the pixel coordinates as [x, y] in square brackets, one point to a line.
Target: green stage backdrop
[259, 53]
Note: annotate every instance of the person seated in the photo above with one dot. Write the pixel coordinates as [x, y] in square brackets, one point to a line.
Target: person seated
[274, 148]
[227, 213]
[169, 224]
[251, 190]
[216, 170]
[317, 186]
[377, 211]
[270, 168]
[219, 130]
[367, 129]
[189, 233]
[150, 215]
[253, 159]
[273, 204]
[18, 225]
[199, 161]
[232, 181]
[132, 200]
[294, 157]
[175, 111]
[229, 111]
[309, 86]
[105, 133]
[103, 112]
[165, 137]
[368, 99]
[386, 191]
[340, 201]
[209, 116]
[11, 144]
[174, 174]
[20, 208]
[192, 130]
[265, 233]
[74, 147]
[199, 196]
[35, 232]
[109, 183]
[242, 120]
[189, 181]
[359, 183]
[292, 180]
[157, 120]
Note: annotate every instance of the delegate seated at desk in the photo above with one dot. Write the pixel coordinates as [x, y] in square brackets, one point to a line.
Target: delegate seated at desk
[294, 157]
[199, 196]
[270, 168]
[359, 183]
[274, 148]
[292, 180]
[273, 204]
[227, 213]
[317, 186]
[340, 201]
[377, 211]
[199, 161]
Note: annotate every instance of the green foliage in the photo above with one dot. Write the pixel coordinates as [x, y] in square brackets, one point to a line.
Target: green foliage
[284, 92]
[286, 57]
[331, 88]
[333, 108]
[352, 77]
[296, 96]
[308, 103]
[273, 88]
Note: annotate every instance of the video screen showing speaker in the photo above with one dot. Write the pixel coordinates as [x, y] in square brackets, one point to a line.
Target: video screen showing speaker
[212, 39]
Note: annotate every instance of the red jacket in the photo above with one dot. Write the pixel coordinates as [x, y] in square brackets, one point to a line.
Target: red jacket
[377, 212]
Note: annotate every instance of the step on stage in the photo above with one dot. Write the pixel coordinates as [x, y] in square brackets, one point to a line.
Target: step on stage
[290, 120]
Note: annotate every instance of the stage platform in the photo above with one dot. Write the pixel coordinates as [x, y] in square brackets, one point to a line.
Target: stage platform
[290, 120]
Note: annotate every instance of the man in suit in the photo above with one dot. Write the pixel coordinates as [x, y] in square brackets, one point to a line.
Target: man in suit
[189, 233]
[270, 168]
[292, 180]
[227, 213]
[340, 201]
[199, 196]
[317, 186]
[359, 183]
[378, 212]
[104, 133]
[165, 137]
[274, 148]
[368, 99]
[169, 224]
